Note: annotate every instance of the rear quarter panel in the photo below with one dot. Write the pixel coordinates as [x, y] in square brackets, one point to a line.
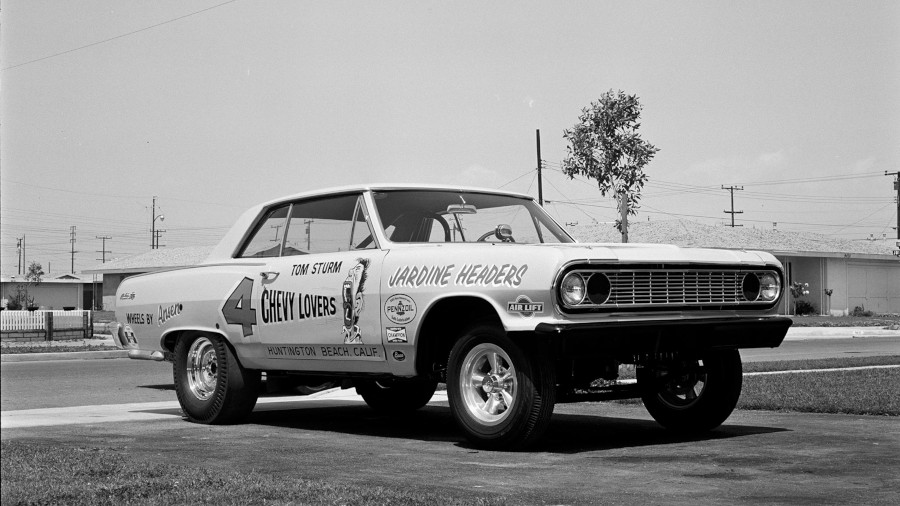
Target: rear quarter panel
[157, 304]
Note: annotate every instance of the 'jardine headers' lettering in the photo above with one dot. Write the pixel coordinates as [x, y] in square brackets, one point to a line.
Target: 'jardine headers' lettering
[508, 275]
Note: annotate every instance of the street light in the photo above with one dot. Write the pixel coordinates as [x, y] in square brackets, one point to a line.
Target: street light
[154, 241]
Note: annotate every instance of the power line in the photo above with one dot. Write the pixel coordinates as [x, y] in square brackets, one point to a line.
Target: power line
[516, 179]
[117, 36]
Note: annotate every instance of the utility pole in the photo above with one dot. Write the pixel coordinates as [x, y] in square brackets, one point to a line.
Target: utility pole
[103, 250]
[72, 240]
[733, 212]
[308, 227]
[897, 189]
[537, 136]
[19, 255]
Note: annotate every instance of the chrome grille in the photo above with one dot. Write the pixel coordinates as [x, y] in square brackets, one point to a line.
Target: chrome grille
[679, 287]
[667, 288]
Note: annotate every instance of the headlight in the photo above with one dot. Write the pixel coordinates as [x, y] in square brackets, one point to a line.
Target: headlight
[572, 289]
[769, 286]
[750, 287]
[599, 288]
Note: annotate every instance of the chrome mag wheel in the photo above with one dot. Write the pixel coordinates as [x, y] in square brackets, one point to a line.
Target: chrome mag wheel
[202, 368]
[488, 383]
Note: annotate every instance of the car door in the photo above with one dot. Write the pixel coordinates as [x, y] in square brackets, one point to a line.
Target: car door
[317, 300]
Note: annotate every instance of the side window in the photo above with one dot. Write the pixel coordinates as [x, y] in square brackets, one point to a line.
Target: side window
[266, 240]
[322, 225]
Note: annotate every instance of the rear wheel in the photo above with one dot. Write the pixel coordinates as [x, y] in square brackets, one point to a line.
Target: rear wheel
[500, 397]
[396, 395]
[692, 395]
[211, 385]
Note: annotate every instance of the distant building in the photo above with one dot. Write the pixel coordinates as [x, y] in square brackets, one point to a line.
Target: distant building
[113, 272]
[863, 274]
[66, 291]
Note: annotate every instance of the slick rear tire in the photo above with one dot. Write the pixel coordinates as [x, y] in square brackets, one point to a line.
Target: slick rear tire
[211, 385]
[501, 394]
[692, 396]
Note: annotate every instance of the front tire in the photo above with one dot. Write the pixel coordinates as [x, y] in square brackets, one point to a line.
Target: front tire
[693, 396]
[499, 396]
[211, 385]
[392, 396]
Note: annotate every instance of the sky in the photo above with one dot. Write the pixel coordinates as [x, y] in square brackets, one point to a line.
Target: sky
[214, 106]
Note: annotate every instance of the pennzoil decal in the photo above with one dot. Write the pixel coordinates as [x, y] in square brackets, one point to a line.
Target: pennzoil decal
[524, 306]
[395, 334]
[329, 352]
[400, 309]
[352, 292]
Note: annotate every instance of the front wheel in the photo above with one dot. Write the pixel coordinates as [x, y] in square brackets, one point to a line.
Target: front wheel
[692, 395]
[211, 385]
[500, 396]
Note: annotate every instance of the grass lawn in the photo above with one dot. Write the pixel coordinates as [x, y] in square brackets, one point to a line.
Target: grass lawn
[40, 474]
[846, 321]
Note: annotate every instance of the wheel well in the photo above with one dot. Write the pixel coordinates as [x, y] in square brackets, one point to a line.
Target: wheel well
[443, 325]
[168, 341]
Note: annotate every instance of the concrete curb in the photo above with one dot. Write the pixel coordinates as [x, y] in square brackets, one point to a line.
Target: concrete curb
[71, 355]
[803, 333]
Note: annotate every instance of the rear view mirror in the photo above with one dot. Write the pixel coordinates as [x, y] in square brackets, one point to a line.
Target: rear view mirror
[461, 209]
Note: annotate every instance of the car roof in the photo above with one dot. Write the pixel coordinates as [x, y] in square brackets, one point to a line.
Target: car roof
[391, 186]
[231, 240]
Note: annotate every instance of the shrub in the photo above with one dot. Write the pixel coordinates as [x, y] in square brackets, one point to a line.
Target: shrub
[861, 311]
[805, 308]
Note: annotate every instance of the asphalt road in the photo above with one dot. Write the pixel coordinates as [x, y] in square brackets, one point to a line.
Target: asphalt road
[593, 453]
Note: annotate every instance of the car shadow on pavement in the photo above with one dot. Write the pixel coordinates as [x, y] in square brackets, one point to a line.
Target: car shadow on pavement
[567, 434]
[168, 386]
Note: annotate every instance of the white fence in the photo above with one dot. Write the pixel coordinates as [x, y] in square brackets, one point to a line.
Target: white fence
[37, 320]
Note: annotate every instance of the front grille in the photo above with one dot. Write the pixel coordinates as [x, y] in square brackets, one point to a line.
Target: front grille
[667, 288]
[649, 287]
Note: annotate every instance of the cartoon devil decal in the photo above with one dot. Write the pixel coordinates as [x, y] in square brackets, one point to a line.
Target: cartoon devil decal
[352, 293]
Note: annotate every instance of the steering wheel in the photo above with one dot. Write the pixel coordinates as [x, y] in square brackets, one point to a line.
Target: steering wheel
[446, 226]
[502, 232]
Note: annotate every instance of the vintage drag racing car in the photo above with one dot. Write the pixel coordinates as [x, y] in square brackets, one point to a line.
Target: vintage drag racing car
[392, 289]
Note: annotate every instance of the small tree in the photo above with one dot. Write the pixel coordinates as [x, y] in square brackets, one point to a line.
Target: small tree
[605, 145]
[34, 276]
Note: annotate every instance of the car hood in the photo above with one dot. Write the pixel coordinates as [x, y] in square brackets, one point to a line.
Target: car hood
[656, 253]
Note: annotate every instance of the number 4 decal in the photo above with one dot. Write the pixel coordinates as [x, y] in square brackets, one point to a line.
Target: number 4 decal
[237, 308]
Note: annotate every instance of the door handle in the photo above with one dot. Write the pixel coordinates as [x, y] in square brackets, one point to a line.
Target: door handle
[268, 275]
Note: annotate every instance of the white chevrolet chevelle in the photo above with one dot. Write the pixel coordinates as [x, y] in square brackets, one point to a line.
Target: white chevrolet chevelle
[392, 288]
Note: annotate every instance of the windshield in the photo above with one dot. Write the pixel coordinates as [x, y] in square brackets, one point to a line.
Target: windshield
[447, 216]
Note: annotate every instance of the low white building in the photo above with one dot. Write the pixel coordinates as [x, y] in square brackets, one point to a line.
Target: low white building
[864, 274]
[62, 292]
